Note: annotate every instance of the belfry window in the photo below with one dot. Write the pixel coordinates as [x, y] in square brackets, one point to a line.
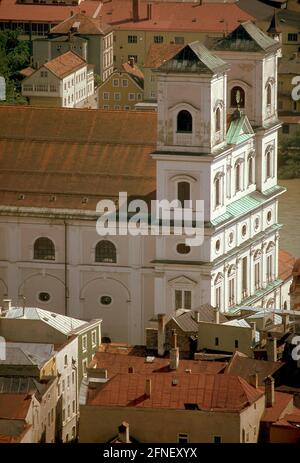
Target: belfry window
[218, 119]
[183, 192]
[269, 95]
[184, 122]
[237, 97]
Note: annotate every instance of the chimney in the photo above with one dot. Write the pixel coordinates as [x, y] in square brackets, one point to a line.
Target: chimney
[148, 388]
[6, 305]
[197, 316]
[123, 436]
[149, 11]
[161, 335]
[174, 352]
[253, 380]
[217, 315]
[135, 10]
[271, 348]
[253, 326]
[286, 321]
[269, 392]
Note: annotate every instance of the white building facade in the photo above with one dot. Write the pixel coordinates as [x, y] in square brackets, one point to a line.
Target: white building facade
[216, 141]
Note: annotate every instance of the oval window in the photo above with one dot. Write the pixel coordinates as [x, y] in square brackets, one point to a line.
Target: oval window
[231, 238]
[269, 216]
[44, 297]
[182, 248]
[244, 230]
[218, 245]
[256, 226]
[105, 300]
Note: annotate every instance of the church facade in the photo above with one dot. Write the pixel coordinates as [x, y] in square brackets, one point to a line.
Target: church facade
[214, 138]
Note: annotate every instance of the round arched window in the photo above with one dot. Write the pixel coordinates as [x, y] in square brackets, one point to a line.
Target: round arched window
[184, 122]
[182, 248]
[105, 300]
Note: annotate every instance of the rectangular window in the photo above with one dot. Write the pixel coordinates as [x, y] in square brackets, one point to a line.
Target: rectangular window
[124, 83]
[216, 341]
[116, 82]
[245, 276]
[105, 95]
[68, 381]
[183, 299]
[179, 40]
[117, 107]
[69, 411]
[231, 291]
[236, 343]
[132, 38]
[117, 96]
[73, 406]
[218, 297]
[217, 439]
[106, 107]
[238, 178]
[158, 39]
[84, 366]
[127, 108]
[84, 343]
[183, 438]
[131, 96]
[73, 377]
[257, 275]
[270, 268]
[293, 37]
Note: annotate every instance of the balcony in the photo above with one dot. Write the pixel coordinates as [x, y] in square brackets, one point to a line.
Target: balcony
[184, 138]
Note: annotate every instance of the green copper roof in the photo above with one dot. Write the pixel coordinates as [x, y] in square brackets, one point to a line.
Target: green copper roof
[246, 204]
[239, 130]
[247, 37]
[195, 57]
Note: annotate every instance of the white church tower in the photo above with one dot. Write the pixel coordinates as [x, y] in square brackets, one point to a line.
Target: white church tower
[217, 142]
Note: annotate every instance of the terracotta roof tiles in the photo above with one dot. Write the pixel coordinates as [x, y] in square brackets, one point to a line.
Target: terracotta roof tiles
[65, 64]
[14, 406]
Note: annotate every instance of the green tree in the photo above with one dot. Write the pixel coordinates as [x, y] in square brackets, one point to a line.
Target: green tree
[289, 156]
[14, 56]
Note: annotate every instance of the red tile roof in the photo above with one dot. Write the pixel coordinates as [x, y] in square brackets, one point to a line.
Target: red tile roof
[207, 391]
[85, 25]
[175, 16]
[86, 153]
[14, 406]
[119, 363]
[133, 70]
[10, 10]
[282, 401]
[159, 53]
[65, 64]
[27, 71]
[285, 263]
[118, 13]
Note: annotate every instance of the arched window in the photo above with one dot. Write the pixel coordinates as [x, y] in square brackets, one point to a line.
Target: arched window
[250, 171]
[237, 178]
[218, 192]
[184, 122]
[106, 252]
[269, 94]
[237, 97]
[269, 164]
[218, 119]
[44, 249]
[183, 192]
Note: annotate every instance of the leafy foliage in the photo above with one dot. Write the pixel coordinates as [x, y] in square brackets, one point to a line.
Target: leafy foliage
[14, 56]
[289, 156]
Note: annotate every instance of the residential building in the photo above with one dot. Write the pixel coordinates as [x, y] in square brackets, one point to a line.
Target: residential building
[171, 400]
[44, 344]
[89, 37]
[231, 166]
[66, 81]
[123, 89]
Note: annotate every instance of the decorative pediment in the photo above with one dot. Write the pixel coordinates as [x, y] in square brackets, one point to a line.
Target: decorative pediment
[270, 148]
[251, 154]
[182, 281]
[231, 270]
[239, 130]
[270, 246]
[257, 254]
[219, 278]
[219, 104]
[239, 161]
[270, 81]
[218, 175]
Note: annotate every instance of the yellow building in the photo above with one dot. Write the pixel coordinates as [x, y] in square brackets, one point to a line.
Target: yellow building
[123, 89]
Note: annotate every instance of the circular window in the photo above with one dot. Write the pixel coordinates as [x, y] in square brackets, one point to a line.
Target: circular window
[231, 236]
[218, 245]
[256, 224]
[244, 230]
[182, 248]
[44, 297]
[105, 300]
[269, 216]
